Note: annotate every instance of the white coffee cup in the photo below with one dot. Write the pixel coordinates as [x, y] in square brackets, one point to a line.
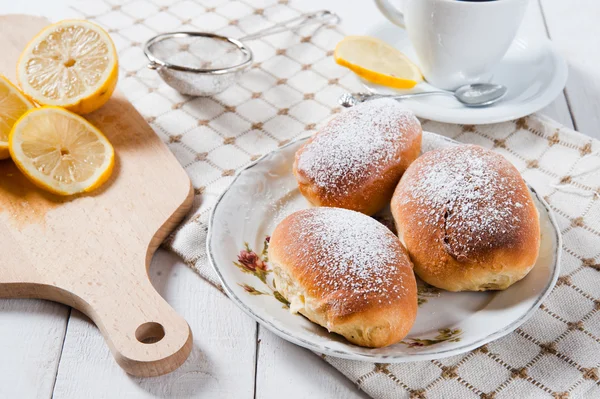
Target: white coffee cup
[457, 42]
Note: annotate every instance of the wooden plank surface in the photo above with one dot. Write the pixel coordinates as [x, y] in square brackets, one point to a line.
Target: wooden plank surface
[534, 27]
[297, 373]
[221, 364]
[31, 340]
[285, 370]
[575, 30]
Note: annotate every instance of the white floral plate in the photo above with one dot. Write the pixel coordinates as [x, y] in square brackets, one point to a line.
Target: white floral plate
[447, 323]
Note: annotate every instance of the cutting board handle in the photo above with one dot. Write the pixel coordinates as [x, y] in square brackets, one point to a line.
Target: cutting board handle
[146, 336]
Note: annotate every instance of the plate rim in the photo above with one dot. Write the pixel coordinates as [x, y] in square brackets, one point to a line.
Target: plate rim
[290, 337]
[557, 84]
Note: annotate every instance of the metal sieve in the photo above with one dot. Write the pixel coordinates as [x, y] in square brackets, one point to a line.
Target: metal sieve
[203, 64]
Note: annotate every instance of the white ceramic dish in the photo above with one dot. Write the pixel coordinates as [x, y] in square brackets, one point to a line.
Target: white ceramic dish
[447, 323]
[534, 73]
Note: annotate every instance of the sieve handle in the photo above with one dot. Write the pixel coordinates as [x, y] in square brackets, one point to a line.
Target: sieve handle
[319, 17]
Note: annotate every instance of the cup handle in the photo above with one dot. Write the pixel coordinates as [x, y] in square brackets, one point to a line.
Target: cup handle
[391, 12]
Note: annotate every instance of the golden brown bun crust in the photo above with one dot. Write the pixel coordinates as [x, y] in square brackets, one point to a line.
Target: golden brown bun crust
[355, 161]
[467, 219]
[347, 272]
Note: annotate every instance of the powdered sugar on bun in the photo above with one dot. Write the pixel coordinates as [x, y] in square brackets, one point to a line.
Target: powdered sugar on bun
[468, 191]
[366, 148]
[472, 205]
[349, 251]
[334, 264]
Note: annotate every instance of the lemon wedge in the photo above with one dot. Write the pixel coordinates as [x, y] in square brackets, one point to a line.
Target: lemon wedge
[60, 151]
[71, 64]
[376, 61]
[13, 104]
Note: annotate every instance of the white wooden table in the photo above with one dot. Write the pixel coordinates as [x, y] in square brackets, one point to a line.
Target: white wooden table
[49, 350]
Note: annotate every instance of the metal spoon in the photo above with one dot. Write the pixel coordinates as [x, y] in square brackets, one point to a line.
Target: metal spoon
[473, 95]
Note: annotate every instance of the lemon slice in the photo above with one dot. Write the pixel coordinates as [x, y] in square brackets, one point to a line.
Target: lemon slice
[71, 64]
[13, 104]
[378, 62]
[60, 151]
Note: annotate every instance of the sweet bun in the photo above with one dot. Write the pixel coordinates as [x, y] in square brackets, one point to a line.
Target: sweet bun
[356, 160]
[467, 219]
[347, 272]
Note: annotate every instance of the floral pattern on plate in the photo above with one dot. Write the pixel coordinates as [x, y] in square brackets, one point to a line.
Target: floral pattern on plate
[444, 335]
[426, 291]
[250, 262]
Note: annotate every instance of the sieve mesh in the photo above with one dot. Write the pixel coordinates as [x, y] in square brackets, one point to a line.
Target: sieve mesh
[199, 52]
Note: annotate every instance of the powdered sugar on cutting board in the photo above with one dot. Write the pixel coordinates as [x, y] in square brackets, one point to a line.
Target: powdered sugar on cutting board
[349, 254]
[474, 195]
[356, 145]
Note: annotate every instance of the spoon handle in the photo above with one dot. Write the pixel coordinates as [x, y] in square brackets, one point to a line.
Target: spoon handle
[372, 96]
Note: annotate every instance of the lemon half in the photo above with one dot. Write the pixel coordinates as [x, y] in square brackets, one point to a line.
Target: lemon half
[13, 104]
[60, 151]
[72, 64]
[378, 62]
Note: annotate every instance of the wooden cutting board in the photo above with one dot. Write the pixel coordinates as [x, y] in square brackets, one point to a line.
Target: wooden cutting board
[92, 252]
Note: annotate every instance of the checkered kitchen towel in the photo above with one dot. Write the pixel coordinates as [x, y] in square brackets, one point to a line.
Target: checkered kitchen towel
[292, 88]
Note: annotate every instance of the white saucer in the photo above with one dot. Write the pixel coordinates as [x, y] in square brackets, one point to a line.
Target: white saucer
[448, 323]
[534, 73]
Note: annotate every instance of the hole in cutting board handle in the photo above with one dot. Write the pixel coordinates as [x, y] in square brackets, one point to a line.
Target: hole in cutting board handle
[150, 333]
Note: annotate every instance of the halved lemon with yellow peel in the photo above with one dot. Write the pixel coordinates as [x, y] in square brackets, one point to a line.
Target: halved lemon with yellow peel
[70, 64]
[60, 151]
[378, 62]
[13, 104]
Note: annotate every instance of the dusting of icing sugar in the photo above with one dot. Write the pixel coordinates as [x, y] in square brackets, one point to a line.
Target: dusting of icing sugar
[473, 195]
[349, 253]
[359, 143]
